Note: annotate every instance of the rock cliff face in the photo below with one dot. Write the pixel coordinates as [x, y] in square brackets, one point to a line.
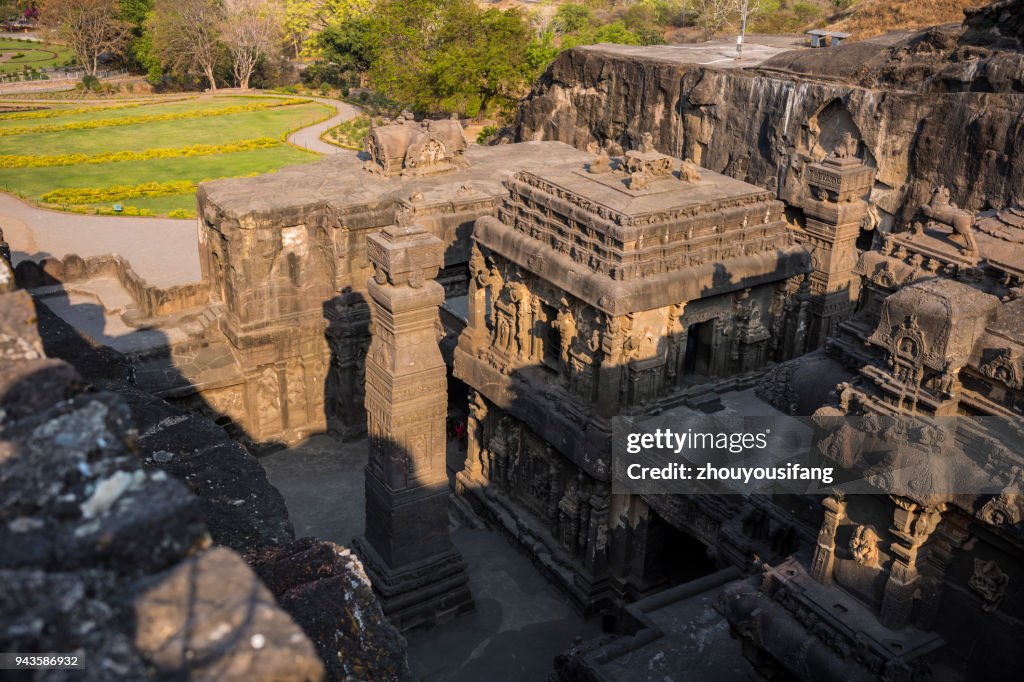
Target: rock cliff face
[939, 107]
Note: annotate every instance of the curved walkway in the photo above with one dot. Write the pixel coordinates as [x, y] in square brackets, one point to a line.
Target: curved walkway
[163, 251]
[309, 138]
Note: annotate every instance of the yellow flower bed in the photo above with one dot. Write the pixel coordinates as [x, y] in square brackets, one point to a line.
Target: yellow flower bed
[53, 113]
[96, 195]
[133, 120]
[24, 161]
[74, 198]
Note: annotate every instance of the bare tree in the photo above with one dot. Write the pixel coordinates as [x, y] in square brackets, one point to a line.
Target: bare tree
[715, 15]
[90, 27]
[186, 35]
[252, 29]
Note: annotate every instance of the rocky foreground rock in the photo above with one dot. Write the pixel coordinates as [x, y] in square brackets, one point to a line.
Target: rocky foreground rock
[126, 526]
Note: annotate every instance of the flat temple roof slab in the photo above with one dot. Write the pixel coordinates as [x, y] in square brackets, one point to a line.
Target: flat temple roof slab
[340, 181]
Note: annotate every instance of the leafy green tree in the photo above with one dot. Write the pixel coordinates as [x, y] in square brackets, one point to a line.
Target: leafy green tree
[306, 19]
[186, 37]
[481, 61]
[573, 18]
[350, 45]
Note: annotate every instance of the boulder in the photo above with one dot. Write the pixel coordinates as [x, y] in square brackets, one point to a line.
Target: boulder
[210, 618]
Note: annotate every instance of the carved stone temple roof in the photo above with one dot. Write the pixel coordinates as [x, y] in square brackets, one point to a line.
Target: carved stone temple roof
[599, 220]
[665, 238]
[936, 321]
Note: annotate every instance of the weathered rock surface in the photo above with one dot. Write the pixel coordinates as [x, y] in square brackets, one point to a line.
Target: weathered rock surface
[325, 589]
[211, 618]
[940, 106]
[107, 494]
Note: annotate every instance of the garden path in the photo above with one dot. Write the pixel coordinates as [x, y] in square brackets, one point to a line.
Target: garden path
[163, 251]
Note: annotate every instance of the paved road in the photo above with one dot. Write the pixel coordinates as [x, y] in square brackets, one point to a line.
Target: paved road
[163, 251]
[309, 138]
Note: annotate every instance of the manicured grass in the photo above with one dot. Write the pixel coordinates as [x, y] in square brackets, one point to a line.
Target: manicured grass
[32, 54]
[31, 183]
[212, 130]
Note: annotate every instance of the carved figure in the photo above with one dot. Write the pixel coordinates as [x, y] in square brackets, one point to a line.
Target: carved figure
[940, 209]
[688, 171]
[949, 382]
[847, 147]
[647, 143]
[638, 179]
[864, 546]
[990, 582]
[565, 323]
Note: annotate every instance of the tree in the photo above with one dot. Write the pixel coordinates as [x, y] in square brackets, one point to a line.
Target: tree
[449, 55]
[571, 18]
[351, 44]
[186, 36]
[90, 27]
[251, 30]
[715, 15]
[304, 20]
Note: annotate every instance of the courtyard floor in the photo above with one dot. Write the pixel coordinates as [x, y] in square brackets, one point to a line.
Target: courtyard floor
[521, 622]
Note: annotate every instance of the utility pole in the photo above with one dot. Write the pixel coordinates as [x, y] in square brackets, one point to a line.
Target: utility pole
[743, 30]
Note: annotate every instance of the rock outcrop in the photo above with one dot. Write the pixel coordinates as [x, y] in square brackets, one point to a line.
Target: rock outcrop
[110, 500]
[940, 106]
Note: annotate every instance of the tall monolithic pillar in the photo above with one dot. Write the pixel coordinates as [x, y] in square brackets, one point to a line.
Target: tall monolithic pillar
[417, 572]
[835, 207]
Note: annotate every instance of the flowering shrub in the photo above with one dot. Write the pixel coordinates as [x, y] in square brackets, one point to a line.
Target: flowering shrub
[53, 113]
[25, 161]
[133, 120]
[96, 195]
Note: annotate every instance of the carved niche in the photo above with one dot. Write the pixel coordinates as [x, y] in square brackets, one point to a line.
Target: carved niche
[1003, 368]
[908, 342]
[990, 582]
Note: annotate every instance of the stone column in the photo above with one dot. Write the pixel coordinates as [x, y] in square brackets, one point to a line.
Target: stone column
[610, 373]
[473, 468]
[825, 550]
[911, 531]
[418, 574]
[837, 187]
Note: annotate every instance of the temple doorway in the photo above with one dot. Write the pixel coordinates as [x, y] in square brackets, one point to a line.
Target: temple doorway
[684, 557]
[699, 346]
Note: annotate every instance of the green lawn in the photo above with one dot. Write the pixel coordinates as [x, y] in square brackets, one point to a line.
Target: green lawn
[15, 55]
[214, 129]
[160, 134]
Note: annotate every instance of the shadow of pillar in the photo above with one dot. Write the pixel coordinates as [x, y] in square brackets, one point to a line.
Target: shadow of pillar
[417, 572]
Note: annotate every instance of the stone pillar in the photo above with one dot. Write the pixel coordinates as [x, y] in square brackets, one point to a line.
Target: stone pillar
[825, 550]
[610, 373]
[834, 210]
[911, 531]
[473, 469]
[418, 574]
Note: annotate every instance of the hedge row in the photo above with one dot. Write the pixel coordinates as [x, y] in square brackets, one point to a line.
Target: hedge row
[21, 161]
[152, 118]
[96, 195]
